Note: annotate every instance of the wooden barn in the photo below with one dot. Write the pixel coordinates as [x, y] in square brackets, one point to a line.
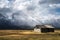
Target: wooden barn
[43, 28]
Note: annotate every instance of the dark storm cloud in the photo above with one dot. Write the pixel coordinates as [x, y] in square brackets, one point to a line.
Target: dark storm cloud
[31, 8]
[49, 1]
[5, 10]
[11, 0]
[55, 1]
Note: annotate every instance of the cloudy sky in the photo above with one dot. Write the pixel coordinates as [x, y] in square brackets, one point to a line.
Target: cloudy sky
[30, 12]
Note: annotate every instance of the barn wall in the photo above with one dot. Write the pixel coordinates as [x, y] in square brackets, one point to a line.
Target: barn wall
[37, 30]
[47, 29]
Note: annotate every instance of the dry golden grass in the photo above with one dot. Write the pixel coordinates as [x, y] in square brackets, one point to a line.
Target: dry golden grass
[28, 35]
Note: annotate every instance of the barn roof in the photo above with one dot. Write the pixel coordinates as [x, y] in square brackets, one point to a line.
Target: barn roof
[44, 26]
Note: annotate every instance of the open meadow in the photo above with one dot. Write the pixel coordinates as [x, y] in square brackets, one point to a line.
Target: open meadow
[28, 35]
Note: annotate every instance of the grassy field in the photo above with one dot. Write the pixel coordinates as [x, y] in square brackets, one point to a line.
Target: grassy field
[28, 35]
